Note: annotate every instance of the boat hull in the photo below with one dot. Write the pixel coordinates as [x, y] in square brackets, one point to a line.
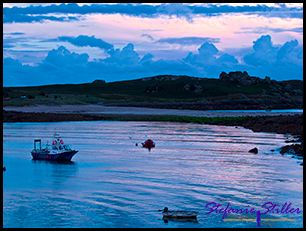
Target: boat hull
[180, 214]
[66, 156]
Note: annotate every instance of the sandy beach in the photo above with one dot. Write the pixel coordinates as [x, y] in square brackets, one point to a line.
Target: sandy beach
[100, 109]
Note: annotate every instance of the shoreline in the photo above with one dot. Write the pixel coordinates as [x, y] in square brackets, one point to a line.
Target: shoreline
[122, 110]
[281, 123]
[270, 121]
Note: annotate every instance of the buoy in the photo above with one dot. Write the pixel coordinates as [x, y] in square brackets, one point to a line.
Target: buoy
[148, 144]
[4, 168]
[136, 144]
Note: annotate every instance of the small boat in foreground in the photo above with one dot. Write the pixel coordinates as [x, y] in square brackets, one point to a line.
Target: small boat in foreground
[148, 144]
[58, 150]
[178, 214]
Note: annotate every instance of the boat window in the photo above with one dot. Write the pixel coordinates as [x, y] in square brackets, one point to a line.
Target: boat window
[66, 147]
[54, 148]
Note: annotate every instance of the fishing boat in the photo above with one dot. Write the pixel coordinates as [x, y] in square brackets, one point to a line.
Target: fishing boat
[57, 151]
[148, 144]
[178, 214]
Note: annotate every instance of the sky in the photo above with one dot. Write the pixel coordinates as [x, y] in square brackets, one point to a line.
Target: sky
[61, 43]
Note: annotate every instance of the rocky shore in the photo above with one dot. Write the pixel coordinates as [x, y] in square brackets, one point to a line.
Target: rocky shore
[292, 124]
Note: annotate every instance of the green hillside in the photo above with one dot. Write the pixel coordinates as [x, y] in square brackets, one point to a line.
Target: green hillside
[162, 88]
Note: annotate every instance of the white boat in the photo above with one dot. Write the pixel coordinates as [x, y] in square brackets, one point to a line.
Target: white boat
[57, 151]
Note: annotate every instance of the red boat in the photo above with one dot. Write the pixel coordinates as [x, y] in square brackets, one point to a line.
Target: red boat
[148, 144]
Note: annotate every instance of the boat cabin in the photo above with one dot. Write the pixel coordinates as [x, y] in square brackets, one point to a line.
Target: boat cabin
[37, 143]
[61, 147]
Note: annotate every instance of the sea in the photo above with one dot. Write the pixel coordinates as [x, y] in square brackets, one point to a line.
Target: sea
[113, 183]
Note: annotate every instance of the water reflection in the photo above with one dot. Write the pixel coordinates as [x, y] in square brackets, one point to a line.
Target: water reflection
[167, 219]
[113, 183]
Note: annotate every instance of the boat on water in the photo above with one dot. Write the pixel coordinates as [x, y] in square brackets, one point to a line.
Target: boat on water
[148, 144]
[178, 214]
[58, 150]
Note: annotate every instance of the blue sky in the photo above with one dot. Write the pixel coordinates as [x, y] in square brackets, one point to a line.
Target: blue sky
[45, 43]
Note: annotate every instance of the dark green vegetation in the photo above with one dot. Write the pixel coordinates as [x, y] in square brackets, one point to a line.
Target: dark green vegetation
[166, 91]
[14, 116]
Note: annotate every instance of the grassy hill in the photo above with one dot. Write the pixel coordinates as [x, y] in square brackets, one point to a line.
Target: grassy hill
[162, 89]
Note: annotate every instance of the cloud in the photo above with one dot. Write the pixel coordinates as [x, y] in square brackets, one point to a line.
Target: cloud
[16, 74]
[207, 49]
[147, 58]
[12, 39]
[226, 58]
[279, 63]
[36, 13]
[264, 52]
[266, 29]
[148, 36]
[188, 40]
[14, 33]
[286, 49]
[279, 11]
[126, 57]
[20, 18]
[178, 9]
[62, 66]
[25, 14]
[83, 40]
[63, 57]
[206, 55]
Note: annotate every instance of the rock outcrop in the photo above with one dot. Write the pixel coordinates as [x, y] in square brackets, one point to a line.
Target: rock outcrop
[99, 81]
[254, 150]
[278, 89]
[243, 78]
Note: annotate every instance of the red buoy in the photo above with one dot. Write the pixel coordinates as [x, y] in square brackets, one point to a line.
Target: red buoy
[4, 168]
[148, 144]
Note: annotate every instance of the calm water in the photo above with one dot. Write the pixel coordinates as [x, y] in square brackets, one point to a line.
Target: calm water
[267, 111]
[113, 183]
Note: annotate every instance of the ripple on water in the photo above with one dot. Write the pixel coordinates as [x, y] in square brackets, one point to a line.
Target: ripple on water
[113, 183]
